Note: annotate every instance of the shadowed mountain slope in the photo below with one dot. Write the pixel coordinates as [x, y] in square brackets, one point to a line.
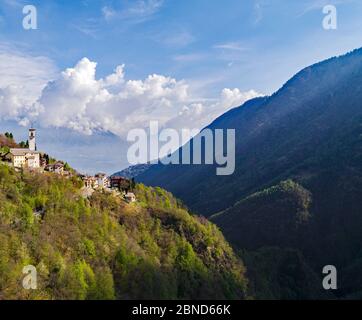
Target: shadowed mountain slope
[309, 132]
[295, 131]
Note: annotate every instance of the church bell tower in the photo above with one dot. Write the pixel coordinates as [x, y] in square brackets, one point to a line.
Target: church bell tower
[32, 143]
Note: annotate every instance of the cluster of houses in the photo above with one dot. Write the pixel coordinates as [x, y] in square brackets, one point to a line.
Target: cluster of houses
[57, 167]
[101, 181]
[31, 159]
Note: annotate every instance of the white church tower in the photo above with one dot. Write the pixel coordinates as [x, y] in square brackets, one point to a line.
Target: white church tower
[32, 143]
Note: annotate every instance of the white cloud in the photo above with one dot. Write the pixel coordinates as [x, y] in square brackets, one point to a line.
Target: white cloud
[10, 103]
[137, 11]
[108, 13]
[77, 100]
[258, 12]
[232, 51]
[144, 8]
[234, 46]
[197, 115]
[231, 98]
[89, 27]
[22, 79]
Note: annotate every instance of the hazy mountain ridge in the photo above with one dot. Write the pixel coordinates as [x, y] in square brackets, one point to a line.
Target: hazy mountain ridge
[133, 171]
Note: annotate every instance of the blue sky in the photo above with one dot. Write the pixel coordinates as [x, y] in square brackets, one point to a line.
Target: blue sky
[187, 39]
[197, 48]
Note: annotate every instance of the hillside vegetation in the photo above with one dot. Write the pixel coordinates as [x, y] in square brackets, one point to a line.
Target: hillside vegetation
[105, 248]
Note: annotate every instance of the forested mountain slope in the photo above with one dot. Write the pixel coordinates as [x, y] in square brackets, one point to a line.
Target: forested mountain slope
[105, 248]
[298, 178]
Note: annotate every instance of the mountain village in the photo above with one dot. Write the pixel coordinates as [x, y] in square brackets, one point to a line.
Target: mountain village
[27, 157]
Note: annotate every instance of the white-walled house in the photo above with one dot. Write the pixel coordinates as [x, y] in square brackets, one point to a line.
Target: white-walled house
[90, 182]
[103, 181]
[25, 158]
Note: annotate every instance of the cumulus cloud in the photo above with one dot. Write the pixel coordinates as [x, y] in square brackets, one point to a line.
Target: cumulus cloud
[197, 115]
[77, 100]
